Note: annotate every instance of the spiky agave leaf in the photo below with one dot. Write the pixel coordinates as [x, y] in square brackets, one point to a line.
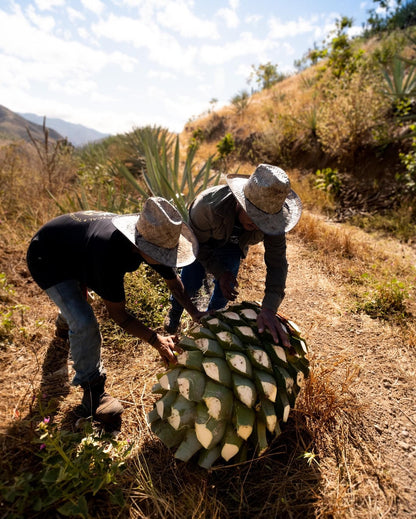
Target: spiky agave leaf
[232, 389]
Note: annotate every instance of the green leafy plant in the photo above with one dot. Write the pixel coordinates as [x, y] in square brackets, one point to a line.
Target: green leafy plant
[266, 75]
[328, 179]
[240, 102]
[197, 138]
[386, 301]
[73, 468]
[399, 80]
[354, 115]
[163, 175]
[226, 146]
[408, 176]
[147, 295]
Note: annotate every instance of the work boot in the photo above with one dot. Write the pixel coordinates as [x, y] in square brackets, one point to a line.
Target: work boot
[62, 327]
[172, 321]
[99, 404]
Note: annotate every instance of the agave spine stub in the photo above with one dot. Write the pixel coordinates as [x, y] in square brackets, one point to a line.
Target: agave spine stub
[231, 389]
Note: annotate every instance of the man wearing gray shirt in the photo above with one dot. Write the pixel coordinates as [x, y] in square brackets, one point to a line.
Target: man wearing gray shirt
[226, 220]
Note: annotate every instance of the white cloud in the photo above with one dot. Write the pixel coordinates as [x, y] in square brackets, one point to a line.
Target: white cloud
[48, 5]
[160, 74]
[74, 15]
[73, 87]
[291, 29]
[39, 47]
[229, 16]
[39, 60]
[355, 30]
[243, 70]
[163, 48]
[13, 75]
[247, 45]
[253, 19]
[177, 16]
[44, 23]
[95, 6]
[91, 61]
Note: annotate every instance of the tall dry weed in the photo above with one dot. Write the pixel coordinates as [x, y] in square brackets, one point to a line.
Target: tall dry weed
[24, 199]
[353, 115]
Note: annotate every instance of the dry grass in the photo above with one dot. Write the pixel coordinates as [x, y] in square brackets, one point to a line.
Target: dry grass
[286, 482]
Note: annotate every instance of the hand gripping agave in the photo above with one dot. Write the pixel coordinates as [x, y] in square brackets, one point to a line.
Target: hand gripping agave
[231, 389]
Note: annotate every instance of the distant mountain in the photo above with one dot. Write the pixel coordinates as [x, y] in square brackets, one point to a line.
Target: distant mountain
[14, 126]
[76, 134]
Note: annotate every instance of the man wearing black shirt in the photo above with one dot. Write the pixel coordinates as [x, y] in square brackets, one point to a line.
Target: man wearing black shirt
[94, 250]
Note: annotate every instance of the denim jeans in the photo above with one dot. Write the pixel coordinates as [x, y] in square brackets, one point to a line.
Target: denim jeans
[84, 333]
[193, 276]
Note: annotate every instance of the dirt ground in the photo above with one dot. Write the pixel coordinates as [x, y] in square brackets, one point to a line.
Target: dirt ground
[381, 375]
[367, 354]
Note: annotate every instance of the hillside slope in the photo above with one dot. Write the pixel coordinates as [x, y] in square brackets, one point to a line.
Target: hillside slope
[13, 127]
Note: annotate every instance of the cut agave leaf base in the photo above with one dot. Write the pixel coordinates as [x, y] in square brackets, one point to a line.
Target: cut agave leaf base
[231, 389]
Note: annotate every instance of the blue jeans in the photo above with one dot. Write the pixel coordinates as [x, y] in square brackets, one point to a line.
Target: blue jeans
[84, 333]
[193, 276]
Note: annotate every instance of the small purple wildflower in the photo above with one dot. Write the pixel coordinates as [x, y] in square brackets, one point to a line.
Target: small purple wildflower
[42, 446]
[47, 419]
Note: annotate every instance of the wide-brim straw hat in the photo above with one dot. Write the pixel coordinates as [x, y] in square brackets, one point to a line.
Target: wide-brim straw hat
[160, 232]
[267, 198]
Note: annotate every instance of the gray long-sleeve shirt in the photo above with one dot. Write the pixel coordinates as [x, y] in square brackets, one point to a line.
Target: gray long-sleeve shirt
[212, 217]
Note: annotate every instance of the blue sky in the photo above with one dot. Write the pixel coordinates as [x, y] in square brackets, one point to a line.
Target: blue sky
[117, 64]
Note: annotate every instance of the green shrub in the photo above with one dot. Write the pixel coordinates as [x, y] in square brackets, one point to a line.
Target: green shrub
[147, 295]
[196, 139]
[386, 301]
[408, 176]
[226, 146]
[240, 102]
[73, 468]
[353, 116]
[328, 180]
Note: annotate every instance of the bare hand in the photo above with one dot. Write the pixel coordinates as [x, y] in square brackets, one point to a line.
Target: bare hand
[228, 284]
[268, 319]
[166, 346]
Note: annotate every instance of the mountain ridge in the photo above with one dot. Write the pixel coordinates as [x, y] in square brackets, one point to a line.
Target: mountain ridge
[77, 134]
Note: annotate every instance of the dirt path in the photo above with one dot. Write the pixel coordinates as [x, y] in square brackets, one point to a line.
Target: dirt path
[382, 376]
[371, 472]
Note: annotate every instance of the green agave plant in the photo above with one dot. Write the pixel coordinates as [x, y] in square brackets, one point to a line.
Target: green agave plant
[231, 389]
[165, 174]
[400, 79]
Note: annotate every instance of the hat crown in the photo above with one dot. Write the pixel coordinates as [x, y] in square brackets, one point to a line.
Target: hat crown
[267, 188]
[160, 223]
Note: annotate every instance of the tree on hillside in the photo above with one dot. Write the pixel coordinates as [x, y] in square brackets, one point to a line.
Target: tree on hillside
[388, 16]
[265, 75]
[337, 48]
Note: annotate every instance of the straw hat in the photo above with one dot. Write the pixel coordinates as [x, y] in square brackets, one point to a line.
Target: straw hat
[160, 232]
[267, 198]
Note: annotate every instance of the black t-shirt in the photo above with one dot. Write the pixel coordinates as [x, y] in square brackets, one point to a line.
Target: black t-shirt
[86, 246]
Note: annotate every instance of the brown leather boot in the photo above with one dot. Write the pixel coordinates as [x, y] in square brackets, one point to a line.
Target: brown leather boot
[99, 404]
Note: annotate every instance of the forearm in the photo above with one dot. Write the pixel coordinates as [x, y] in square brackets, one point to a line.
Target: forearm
[164, 345]
[276, 275]
[134, 327]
